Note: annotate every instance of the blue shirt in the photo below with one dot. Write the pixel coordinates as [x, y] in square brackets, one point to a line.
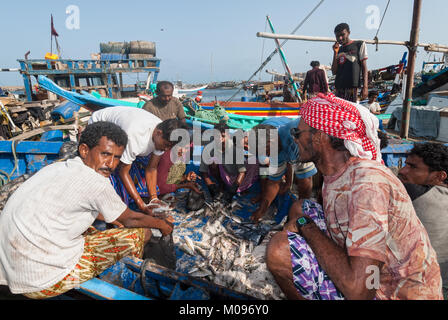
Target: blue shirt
[290, 151]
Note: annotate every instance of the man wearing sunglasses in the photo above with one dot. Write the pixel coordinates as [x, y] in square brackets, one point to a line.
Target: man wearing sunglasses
[365, 241]
[279, 164]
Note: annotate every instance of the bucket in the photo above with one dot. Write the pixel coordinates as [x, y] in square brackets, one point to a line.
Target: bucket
[114, 47]
[142, 47]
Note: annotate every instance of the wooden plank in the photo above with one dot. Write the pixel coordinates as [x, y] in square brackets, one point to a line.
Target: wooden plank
[103, 290]
[37, 131]
[31, 147]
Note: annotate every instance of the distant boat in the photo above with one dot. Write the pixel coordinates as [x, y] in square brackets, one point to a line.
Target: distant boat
[187, 90]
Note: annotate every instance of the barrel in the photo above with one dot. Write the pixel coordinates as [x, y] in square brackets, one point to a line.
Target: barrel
[142, 47]
[114, 47]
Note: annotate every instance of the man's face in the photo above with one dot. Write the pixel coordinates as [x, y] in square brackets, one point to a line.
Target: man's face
[417, 172]
[303, 139]
[102, 158]
[160, 143]
[342, 37]
[165, 95]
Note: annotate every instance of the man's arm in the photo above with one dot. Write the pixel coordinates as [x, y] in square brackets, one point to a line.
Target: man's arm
[180, 111]
[365, 78]
[289, 179]
[133, 219]
[334, 65]
[365, 74]
[348, 273]
[130, 187]
[323, 81]
[151, 175]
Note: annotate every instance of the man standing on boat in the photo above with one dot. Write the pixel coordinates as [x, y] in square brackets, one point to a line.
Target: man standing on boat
[164, 105]
[315, 81]
[366, 241]
[425, 177]
[349, 65]
[47, 243]
[148, 139]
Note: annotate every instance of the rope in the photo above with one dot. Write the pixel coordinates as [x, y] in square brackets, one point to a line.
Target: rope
[276, 49]
[379, 27]
[16, 162]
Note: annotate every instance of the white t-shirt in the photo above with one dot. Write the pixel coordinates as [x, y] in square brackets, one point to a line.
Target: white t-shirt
[374, 107]
[43, 221]
[139, 125]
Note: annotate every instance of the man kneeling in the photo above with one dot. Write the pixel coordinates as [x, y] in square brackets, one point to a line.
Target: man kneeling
[48, 244]
[366, 241]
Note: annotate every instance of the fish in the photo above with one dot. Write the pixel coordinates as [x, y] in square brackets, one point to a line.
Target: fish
[213, 250]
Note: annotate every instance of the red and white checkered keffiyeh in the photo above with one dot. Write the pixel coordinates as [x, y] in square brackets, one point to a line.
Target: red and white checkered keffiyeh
[345, 120]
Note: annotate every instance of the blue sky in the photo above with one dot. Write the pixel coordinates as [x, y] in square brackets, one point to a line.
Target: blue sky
[211, 40]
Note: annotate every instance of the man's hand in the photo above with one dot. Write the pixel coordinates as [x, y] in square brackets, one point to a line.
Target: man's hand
[234, 188]
[144, 208]
[364, 93]
[336, 47]
[284, 187]
[192, 176]
[213, 189]
[256, 216]
[193, 186]
[166, 228]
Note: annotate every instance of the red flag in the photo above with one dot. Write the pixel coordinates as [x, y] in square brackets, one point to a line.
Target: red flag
[53, 30]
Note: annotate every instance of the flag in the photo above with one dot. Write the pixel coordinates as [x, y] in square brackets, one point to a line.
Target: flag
[53, 30]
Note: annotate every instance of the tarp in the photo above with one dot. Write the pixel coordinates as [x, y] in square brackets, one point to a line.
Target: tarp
[424, 121]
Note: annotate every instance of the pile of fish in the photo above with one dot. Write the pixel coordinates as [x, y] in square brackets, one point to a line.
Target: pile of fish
[209, 245]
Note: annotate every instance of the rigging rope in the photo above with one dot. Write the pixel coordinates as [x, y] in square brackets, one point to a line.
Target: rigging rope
[276, 50]
[381, 22]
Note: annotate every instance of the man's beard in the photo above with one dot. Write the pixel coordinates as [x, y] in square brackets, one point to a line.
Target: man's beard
[313, 156]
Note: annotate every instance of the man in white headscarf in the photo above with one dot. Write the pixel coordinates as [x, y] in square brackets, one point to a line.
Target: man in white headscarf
[366, 241]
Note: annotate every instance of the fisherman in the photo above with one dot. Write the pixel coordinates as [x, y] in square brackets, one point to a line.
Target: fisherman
[372, 104]
[287, 95]
[349, 65]
[366, 241]
[425, 177]
[198, 97]
[148, 139]
[171, 175]
[164, 105]
[278, 167]
[315, 81]
[233, 175]
[48, 244]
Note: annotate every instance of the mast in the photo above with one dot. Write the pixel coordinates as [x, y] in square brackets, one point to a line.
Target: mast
[406, 115]
[285, 63]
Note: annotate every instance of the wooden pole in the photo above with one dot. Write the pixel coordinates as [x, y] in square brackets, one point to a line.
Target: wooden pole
[285, 63]
[426, 46]
[406, 115]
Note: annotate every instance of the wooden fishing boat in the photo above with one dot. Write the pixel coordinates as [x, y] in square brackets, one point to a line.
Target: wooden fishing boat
[260, 109]
[134, 279]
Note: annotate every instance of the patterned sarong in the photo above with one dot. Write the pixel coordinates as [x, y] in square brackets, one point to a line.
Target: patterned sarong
[310, 279]
[137, 173]
[101, 250]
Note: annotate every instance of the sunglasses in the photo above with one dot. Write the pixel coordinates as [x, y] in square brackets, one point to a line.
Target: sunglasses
[296, 132]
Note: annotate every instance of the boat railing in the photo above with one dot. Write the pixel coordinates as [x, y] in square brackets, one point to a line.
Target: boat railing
[61, 66]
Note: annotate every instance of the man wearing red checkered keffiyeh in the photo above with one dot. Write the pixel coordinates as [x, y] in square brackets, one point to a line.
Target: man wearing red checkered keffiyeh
[365, 240]
[347, 121]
